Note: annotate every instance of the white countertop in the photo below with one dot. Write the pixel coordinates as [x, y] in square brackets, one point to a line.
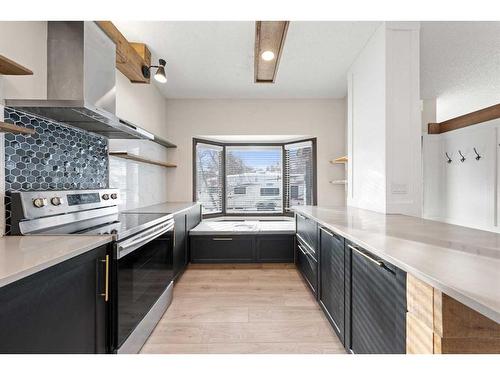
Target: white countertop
[230, 227]
[463, 263]
[165, 208]
[21, 256]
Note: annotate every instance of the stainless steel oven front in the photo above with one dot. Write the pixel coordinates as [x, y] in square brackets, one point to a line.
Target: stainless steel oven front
[142, 289]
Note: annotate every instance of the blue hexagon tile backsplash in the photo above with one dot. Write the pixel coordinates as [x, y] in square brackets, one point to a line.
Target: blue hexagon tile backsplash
[56, 157]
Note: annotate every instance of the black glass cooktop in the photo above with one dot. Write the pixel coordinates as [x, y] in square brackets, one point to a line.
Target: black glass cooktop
[120, 225]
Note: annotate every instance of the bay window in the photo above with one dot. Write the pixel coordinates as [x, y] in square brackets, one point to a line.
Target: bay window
[257, 179]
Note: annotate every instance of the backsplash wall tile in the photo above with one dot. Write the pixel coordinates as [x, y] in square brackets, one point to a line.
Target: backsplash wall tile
[57, 157]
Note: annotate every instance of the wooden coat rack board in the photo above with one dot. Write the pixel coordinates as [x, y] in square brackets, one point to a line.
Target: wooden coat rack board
[473, 118]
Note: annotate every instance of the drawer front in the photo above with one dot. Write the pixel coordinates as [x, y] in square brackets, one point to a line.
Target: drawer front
[331, 291]
[307, 266]
[275, 248]
[378, 304]
[223, 249]
[307, 231]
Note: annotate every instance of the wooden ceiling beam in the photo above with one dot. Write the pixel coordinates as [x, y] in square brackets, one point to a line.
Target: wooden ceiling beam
[269, 36]
[130, 57]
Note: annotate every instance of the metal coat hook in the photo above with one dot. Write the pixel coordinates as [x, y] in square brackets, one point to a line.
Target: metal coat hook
[477, 154]
[449, 159]
[462, 159]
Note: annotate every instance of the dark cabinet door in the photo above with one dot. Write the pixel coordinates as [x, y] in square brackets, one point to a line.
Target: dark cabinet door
[378, 304]
[275, 248]
[180, 244]
[57, 310]
[308, 266]
[307, 231]
[222, 249]
[331, 276]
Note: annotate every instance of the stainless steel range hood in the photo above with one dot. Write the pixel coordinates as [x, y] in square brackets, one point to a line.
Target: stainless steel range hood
[81, 89]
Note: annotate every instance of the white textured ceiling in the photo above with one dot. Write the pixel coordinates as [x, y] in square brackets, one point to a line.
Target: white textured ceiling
[459, 58]
[214, 59]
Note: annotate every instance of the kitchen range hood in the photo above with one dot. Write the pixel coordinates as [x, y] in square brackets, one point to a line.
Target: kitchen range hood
[81, 83]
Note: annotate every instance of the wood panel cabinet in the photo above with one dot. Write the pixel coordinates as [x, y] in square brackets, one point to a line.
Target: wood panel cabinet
[332, 279]
[439, 324]
[376, 312]
[57, 310]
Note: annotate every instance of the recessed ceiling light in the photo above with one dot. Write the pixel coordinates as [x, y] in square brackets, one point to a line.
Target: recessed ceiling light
[267, 55]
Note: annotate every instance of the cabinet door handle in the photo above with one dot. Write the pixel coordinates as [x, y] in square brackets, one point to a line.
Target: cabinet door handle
[377, 262]
[326, 232]
[106, 279]
[303, 251]
[222, 239]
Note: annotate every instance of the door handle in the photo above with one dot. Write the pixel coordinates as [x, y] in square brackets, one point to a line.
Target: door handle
[377, 262]
[326, 232]
[302, 250]
[106, 278]
[222, 239]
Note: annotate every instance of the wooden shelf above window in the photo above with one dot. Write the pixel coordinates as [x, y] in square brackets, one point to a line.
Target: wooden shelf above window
[140, 159]
[15, 129]
[11, 68]
[341, 160]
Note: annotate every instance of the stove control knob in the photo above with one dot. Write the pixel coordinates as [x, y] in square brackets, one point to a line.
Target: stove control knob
[56, 201]
[105, 197]
[114, 196]
[39, 202]
[114, 231]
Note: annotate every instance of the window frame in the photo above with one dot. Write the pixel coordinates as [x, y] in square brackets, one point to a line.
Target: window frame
[286, 211]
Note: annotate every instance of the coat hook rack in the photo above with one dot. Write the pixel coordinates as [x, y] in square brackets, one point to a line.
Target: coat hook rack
[477, 154]
[449, 159]
[462, 159]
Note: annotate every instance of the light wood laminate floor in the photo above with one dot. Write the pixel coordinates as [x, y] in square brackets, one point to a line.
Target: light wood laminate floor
[243, 309]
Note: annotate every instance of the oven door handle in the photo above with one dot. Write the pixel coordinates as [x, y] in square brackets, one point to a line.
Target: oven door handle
[133, 244]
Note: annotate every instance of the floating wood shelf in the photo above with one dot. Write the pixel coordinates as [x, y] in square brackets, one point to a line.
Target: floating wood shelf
[11, 68]
[341, 160]
[473, 118]
[15, 129]
[130, 57]
[338, 182]
[126, 155]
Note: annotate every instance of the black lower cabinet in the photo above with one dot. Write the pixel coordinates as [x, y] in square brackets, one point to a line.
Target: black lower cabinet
[376, 312]
[222, 249]
[180, 244]
[266, 248]
[275, 248]
[331, 279]
[57, 310]
[308, 265]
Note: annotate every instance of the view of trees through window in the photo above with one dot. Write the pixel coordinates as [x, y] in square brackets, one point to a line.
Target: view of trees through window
[253, 179]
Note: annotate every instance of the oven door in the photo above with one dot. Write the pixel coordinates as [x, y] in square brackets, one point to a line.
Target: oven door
[143, 285]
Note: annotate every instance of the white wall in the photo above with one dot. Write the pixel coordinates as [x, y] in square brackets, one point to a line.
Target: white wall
[141, 104]
[324, 119]
[366, 126]
[463, 77]
[384, 122]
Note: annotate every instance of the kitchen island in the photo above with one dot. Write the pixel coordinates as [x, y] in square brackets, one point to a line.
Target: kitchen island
[453, 273]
